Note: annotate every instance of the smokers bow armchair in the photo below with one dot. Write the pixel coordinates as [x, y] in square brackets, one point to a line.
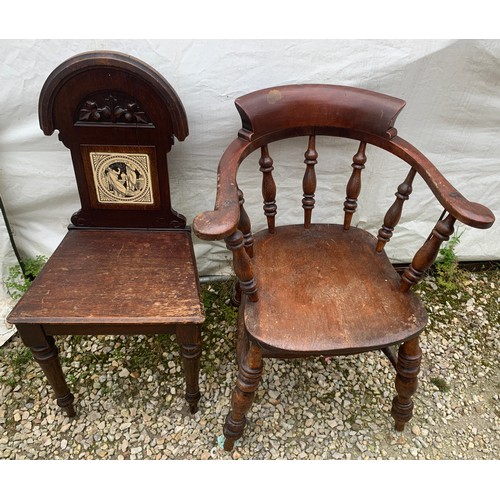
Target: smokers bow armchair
[324, 289]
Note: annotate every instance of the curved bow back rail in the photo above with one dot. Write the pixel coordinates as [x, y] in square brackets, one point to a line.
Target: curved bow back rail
[259, 132]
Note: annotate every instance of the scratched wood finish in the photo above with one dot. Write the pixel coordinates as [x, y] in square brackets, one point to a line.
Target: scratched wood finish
[116, 276]
[312, 278]
[127, 265]
[317, 288]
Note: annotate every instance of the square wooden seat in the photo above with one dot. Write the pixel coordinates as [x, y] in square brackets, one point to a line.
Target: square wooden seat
[93, 278]
[126, 265]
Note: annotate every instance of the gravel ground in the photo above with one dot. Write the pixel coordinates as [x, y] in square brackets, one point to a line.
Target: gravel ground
[130, 405]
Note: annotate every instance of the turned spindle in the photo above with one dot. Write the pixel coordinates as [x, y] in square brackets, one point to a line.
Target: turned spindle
[309, 180]
[268, 188]
[393, 215]
[354, 185]
[245, 226]
[242, 264]
[427, 253]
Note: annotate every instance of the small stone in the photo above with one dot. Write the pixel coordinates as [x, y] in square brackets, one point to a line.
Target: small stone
[124, 373]
[64, 444]
[416, 430]
[93, 416]
[361, 447]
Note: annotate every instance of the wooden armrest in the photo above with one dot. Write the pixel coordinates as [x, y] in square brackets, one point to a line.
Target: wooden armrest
[223, 220]
[467, 212]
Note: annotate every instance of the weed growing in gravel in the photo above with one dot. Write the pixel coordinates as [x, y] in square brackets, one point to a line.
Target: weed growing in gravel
[18, 281]
[220, 322]
[17, 361]
[448, 275]
[441, 384]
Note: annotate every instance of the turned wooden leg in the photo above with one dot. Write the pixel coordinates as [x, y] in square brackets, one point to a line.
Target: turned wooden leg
[189, 339]
[47, 357]
[236, 296]
[249, 375]
[242, 339]
[407, 367]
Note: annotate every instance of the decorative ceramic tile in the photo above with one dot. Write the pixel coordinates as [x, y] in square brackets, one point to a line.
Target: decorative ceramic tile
[122, 177]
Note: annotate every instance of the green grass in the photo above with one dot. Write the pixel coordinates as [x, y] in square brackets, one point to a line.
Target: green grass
[441, 384]
[17, 281]
[448, 274]
[17, 361]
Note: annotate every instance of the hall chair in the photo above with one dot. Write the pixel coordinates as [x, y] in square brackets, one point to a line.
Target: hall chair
[323, 288]
[126, 265]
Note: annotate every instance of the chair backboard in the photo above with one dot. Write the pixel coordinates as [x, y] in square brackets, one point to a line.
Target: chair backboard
[118, 116]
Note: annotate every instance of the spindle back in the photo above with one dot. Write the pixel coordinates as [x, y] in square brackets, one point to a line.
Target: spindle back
[310, 110]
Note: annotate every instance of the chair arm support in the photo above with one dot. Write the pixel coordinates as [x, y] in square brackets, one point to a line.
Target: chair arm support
[427, 253]
[223, 220]
[467, 212]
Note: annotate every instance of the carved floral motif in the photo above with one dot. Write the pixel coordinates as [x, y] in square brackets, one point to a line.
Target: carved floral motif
[112, 110]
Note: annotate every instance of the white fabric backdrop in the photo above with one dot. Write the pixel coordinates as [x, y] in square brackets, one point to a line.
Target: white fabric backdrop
[452, 115]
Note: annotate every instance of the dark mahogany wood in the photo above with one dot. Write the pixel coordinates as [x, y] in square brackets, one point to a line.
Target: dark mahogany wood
[107, 101]
[320, 263]
[243, 266]
[309, 180]
[354, 185]
[268, 188]
[245, 226]
[126, 265]
[394, 213]
[325, 289]
[407, 368]
[427, 254]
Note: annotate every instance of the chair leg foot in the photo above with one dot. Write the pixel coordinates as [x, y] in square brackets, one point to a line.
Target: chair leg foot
[189, 340]
[407, 367]
[48, 359]
[249, 375]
